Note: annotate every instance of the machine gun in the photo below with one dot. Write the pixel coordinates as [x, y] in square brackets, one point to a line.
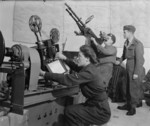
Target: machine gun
[82, 26]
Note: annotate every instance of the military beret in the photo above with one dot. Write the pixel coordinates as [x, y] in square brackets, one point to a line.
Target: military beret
[112, 37]
[130, 28]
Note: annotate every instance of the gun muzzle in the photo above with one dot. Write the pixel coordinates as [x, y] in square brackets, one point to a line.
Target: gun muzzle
[67, 5]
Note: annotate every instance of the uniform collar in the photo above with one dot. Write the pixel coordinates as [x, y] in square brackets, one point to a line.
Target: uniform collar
[131, 42]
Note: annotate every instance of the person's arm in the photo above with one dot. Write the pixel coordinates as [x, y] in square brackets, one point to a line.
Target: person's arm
[107, 51]
[69, 62]
[119, 61]
[139, 59]
[69, 79]
[72, 65]
[99, 40]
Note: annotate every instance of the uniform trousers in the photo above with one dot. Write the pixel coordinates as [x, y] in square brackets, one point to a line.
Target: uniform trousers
[85, 114]
[134, 91]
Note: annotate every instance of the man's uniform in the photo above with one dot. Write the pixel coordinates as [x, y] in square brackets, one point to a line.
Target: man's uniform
[135, 60]
[107, 58]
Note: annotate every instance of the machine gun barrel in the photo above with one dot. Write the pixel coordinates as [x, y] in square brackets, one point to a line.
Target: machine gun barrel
[73, 13]
[78, 21]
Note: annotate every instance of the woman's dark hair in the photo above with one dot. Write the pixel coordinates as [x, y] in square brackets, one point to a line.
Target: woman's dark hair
[89, 53]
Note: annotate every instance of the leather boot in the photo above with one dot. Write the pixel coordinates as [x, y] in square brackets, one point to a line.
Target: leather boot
[124, 107]
[139, 105]
[131, 112]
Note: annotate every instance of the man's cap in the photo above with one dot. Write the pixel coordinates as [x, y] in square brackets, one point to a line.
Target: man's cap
[112, 37]
[130, 28]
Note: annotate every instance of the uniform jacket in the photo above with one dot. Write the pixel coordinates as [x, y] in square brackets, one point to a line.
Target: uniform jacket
[89, 79]
[134, 55]
[106, 57]
[107, 54]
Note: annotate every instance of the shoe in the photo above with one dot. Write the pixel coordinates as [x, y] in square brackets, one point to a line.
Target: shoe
[124, 107]
[131, 112]
[139, 105]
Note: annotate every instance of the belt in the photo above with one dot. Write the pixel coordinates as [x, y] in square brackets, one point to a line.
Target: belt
[131, 58]
[90, 102]
[101, 97]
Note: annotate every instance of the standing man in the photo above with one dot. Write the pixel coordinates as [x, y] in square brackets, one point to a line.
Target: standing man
[133, 51]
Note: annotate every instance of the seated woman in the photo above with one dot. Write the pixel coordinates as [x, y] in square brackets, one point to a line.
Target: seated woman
[96, 109]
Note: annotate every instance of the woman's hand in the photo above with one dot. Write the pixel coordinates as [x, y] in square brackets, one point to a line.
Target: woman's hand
[42, 73]
[59, 55]
[117, 62]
